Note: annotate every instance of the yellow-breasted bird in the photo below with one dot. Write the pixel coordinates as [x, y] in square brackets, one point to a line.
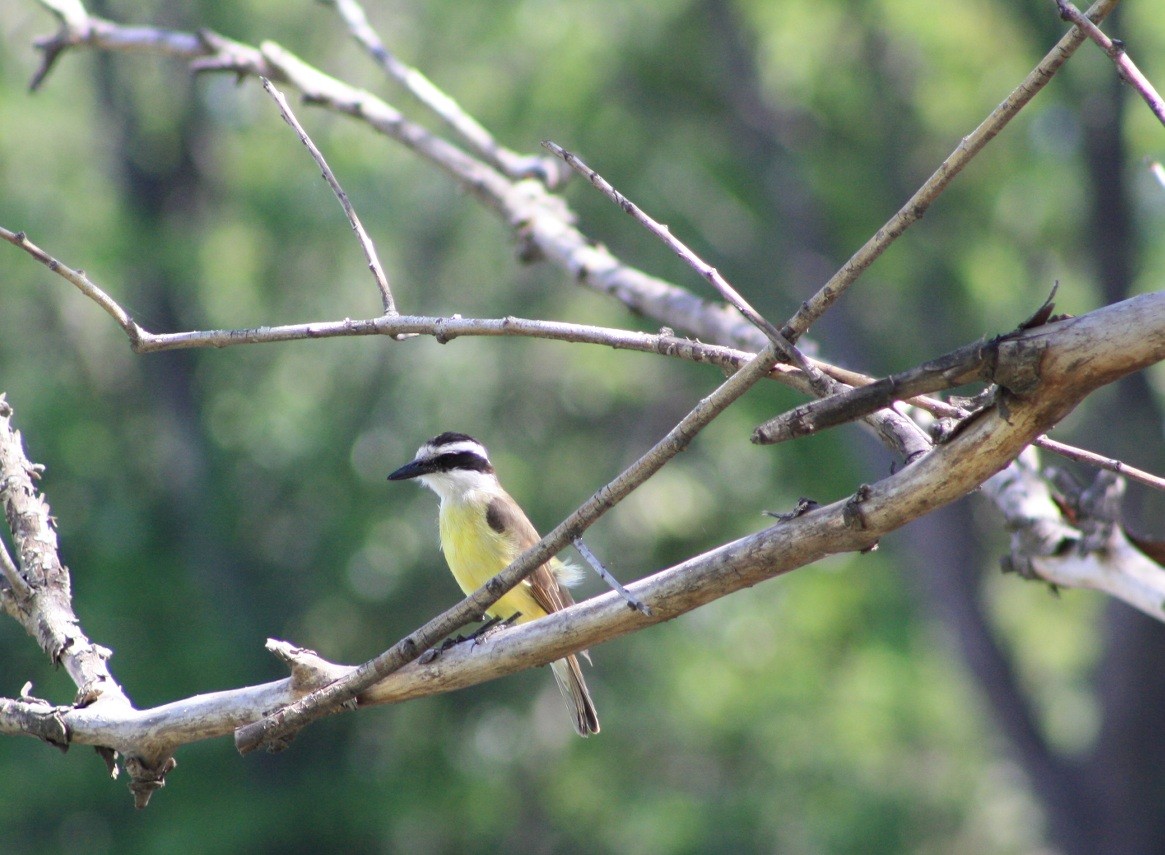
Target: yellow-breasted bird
[482, 531]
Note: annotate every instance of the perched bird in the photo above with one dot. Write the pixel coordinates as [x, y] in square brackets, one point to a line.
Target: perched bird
[482, 531]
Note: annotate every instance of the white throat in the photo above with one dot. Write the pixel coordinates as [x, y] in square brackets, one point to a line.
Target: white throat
[457, 484]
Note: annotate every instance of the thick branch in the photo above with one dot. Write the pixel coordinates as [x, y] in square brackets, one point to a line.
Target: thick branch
[42, 598]
[942, 409]
[156, 732]
[1080, 355]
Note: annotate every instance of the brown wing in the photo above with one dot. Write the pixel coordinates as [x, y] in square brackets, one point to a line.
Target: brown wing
[505, 516]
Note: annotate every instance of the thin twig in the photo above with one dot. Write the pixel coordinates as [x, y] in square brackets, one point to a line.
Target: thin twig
[279, 726]
[605, 574]
[1125, 67]
[709, 273]
[81, 281]
[1101, 462]
[480, 140]
[916, 205]
[329, 176]
[444, 330]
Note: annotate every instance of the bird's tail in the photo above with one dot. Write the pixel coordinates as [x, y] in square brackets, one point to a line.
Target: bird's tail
[570, 681]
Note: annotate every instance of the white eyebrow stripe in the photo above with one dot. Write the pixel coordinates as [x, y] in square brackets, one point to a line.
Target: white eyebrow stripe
[429, 452]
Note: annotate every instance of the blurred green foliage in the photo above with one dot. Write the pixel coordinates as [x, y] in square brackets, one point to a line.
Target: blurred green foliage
[208, 500]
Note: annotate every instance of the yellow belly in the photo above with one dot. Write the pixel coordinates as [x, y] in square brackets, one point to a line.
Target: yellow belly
[476, 553]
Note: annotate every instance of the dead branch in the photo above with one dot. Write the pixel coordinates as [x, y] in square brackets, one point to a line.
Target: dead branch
[1117, 340]
[1047, 546]
[365, 241]
[969, 146]
[1115, 50]
[41, 592]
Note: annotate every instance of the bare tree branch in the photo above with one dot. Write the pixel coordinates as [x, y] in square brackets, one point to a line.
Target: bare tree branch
[983, 360]
[79, 28]
[43, 596]
[46, 613]
[444, 330]
[1081, 455]
[709, 273]
[358, 227]
[1116, 51]
[897, 432]
[603, 573]
[14, 588]
[480, 141]
[82, 282]
[946, 410]
[1045, 546]
[542, 222]
[1118, 339]
[916, 205]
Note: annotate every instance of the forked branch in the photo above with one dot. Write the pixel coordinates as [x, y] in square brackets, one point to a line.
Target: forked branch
[813, 308]
[1118, 339]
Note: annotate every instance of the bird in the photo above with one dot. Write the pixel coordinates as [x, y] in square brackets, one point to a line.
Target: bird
[482, 530]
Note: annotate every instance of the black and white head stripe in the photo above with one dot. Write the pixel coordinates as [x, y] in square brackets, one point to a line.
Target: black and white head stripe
[449, 452]
[452, 438]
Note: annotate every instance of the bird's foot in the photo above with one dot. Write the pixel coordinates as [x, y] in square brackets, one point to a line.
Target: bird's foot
[494, 624]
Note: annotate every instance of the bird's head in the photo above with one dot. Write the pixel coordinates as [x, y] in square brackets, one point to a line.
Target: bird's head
[450, 465]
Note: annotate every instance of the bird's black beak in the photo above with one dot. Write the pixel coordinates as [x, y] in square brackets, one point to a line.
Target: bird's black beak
[412, 470]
